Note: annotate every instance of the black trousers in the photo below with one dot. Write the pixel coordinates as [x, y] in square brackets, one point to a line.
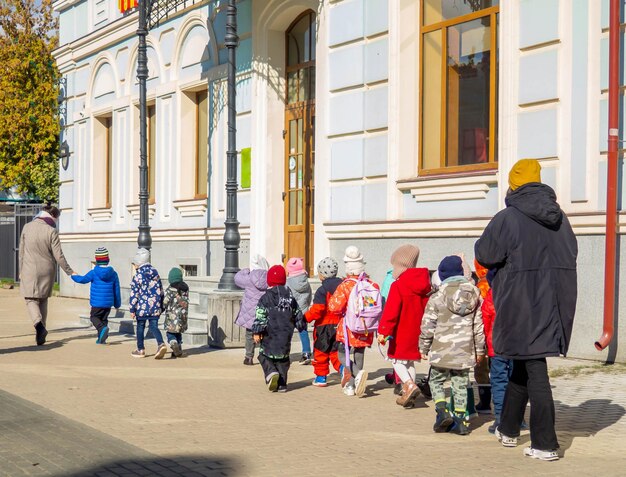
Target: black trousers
[529, 381]
[99, 317]
[280, 366]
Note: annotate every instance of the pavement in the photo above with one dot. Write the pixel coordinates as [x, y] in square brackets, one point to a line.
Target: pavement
[74, 408]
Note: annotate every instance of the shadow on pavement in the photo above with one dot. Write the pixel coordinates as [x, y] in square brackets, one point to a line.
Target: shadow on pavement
[585, 420]
[188, 466]
[51, 343]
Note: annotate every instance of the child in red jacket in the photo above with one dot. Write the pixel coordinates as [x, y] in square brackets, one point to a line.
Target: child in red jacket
[325, 331]
[402, 318]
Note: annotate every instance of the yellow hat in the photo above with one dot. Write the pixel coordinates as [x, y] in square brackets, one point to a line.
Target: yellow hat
[523, 172]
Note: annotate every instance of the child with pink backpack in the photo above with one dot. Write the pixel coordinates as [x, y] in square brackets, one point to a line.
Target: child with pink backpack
[358, 300]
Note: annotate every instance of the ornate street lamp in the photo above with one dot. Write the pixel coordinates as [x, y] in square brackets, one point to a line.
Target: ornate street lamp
[151, 12]
[231, 225]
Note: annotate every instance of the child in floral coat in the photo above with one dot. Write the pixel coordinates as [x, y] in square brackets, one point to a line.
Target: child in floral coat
[146, 303]
[176, 307]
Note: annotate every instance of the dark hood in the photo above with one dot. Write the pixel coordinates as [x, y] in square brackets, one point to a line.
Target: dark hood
[180, 286]
[106, 274]
[538, 202]
[330, 284]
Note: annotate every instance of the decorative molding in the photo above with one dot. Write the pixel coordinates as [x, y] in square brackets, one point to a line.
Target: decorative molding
[100, 214]
[582, 224]
[134, 210]
[449, 188]
[163, 235]
[191, 208]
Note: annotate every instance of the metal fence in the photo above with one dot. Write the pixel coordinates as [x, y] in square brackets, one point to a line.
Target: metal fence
[11, 226]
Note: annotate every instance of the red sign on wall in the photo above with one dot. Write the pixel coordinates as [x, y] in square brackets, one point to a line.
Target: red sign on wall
[125, 5]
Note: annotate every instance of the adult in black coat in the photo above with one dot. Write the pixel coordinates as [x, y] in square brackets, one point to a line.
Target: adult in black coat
[533, 248]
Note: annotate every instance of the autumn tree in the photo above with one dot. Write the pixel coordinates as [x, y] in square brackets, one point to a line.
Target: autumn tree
[29, 122]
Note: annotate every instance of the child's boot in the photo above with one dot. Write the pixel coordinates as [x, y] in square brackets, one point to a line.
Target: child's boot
[320, 381]
[484, 395]
[410, 391]
[471, 404]
[444, 420]
[424, 387]
[461, 424]
[492, 428]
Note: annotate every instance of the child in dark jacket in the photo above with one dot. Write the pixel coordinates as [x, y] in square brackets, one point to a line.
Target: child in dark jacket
[325, 331]
[103, 294]
[176, 309]
[402, 318]
[146, 303]
[276, 316]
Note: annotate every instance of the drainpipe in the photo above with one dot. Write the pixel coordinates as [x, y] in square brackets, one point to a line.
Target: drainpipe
[611, 187]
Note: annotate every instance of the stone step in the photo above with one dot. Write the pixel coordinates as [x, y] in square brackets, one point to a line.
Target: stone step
[121, 324]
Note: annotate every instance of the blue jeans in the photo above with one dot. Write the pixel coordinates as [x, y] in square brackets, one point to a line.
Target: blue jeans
[153, 326]
[306, 342]
[500, 370]
[174, 337]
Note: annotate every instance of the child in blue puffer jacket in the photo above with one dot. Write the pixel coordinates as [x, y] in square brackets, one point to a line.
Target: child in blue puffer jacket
[146, 303]
[103, 294]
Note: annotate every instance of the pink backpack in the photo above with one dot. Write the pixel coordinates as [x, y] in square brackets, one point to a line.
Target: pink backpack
[365, 305]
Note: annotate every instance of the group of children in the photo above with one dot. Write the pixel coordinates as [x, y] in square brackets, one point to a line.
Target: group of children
[148, 301]
[447, 317]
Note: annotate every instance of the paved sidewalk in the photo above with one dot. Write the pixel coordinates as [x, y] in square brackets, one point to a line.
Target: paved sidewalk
[77, 408]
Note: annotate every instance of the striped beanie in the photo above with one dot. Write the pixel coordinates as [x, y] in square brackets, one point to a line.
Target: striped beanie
[102, 256]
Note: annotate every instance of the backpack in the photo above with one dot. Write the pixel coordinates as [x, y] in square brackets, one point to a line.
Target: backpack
[364, 307]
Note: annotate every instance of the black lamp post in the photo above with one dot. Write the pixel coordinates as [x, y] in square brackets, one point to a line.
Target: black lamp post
[150, 13]
[144, 240]
[232, 238]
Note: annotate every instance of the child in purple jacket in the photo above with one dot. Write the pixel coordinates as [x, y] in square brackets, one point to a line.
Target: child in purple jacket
[254, 283]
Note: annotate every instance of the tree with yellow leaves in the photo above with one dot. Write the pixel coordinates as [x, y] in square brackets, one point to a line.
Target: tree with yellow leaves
[29, 121]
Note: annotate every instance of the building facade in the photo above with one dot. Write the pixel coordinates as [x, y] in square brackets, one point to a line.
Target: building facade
[366, 122]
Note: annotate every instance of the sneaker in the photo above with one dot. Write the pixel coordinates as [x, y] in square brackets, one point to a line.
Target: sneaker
[172, 356]
[138, 353]
[541, 455]
[272, 381]
[161, 350]
[505, 440]
[282, 389]
[444, 419]
[492, 428]
[104, 334]
[176, 349]
[349, 390]
[306, 359]
[41, 333]
[320, 381]
[248, 361]
[360, 381]
[346, 375]
[461, 424]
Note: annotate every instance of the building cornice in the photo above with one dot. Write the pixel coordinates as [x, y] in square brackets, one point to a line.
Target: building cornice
[158, 235]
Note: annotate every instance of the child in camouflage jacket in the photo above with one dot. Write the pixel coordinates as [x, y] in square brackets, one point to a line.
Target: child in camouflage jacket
[452, 332]
[176, 306]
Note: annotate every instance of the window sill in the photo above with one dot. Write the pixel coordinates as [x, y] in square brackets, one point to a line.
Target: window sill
[191, 208]
[134, 210]
[100, 214]
[449, 187]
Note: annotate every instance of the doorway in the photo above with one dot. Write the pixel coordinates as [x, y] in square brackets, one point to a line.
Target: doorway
[299, 132]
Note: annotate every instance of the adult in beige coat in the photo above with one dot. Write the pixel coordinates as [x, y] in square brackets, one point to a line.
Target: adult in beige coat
[40, 252]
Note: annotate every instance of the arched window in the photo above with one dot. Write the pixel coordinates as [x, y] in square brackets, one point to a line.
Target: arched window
[301, 59]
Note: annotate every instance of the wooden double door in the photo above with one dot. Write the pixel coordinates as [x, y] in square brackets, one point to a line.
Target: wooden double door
[299, 195]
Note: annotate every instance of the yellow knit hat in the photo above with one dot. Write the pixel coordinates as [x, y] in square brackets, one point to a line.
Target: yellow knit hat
[523, 172]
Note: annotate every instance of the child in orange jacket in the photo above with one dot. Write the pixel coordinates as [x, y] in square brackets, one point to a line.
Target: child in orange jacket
[325, 331]
[353, 380]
